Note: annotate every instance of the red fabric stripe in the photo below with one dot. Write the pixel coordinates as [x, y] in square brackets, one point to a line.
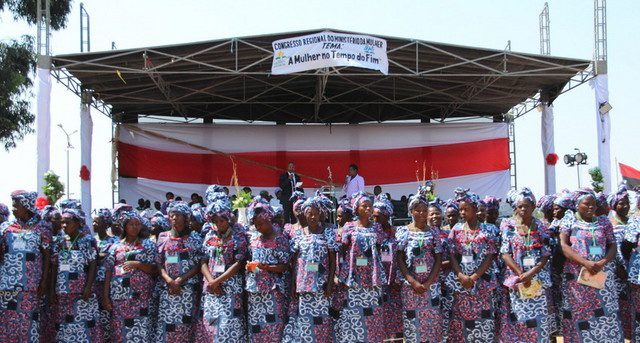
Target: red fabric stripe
[376, 166]
[629, 172]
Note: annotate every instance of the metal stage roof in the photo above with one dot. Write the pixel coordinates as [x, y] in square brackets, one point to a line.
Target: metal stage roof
[230, 79]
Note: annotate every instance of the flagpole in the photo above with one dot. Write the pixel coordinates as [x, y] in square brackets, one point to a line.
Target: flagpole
[617, 172]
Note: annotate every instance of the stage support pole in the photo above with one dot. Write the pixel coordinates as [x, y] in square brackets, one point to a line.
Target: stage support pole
[43, 119]
[548, 147]
[600, 85]
[86, 133]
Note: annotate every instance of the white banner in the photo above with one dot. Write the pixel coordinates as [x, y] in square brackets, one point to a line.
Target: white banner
[600, 84]
[329, 49]
[548, 147]
[86, 134]
[43, 125]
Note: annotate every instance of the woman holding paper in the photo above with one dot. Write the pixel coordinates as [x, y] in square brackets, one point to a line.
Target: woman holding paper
[362, 273]
[178, 260]
[225, 248]
[130, 272]
[269, 259]
[527, 312]
[419, 260]
[590, 304]
[473, 246]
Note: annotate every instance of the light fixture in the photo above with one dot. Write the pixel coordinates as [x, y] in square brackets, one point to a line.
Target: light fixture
[569, 159]
[581, 158]
[605, 107]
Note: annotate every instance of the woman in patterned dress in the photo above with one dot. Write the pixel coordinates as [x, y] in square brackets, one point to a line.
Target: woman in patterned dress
[419, 258]
[225, 247]
[76, 253]
[525, 251]
[129, 281]
[392, 296]
[344, 215]
[361, 271]
[631, 251]
[178, 259]
[297, 199]
[590, 314]
[313, 275]
[102, 221]
[620, 205]
[25, 244]
[269, 255]
[473, 246]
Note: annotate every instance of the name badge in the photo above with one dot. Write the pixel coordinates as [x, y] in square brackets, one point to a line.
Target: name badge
[467, 259]
[19, 245]
[529, 262]
[218, 268]
[421, 268]
[312, 267]
[65, 267]
[387, 257]
[173, 259]
[593, 250]
[362, 261]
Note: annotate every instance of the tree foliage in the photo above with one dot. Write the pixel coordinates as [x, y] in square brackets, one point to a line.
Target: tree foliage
[17, 64]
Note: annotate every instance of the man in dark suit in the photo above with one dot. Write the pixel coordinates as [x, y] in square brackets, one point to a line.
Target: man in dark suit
[288, 183]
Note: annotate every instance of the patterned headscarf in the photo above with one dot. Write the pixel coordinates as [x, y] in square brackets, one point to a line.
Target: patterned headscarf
[105, 215]
[545, 203]
[197, 213]
[75, 206]
[384, 205]
[319, 201]
[601, 200]
[464, 195]
[76, 214]
[259, 207]
[565, 200]
[581, 194]
[620, 194]
[437, 203]
[4, 212]
[360, 197]
[492, 202]
[514, 197]
[213, 192]
[48, 212]
[451, 204]
[345, 205]
[297, 198]
[160, 220]
[421, 196]
[179, 207]
[219, 204]
[125, 216]
[26, 199]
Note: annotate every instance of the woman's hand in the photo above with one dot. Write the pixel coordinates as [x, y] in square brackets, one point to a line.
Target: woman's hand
[213, 287]
[106, 304]
[418, 287]
[174, 287]
[131, 265]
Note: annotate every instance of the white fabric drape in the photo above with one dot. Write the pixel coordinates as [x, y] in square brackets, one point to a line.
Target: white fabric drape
[86, 132]
[43, 124]
[548, 147]
[601, 86]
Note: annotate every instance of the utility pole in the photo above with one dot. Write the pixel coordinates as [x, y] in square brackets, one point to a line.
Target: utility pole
[69, 147]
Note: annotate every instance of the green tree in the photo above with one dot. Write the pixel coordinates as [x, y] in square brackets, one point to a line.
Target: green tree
[17, 64]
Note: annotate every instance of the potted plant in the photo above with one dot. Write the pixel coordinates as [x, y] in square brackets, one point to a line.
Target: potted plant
[242, 200]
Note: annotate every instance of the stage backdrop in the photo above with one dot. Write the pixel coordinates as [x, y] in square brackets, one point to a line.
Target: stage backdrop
[186, 158]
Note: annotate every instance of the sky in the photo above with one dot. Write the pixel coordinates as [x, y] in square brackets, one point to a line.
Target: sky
[488, 24]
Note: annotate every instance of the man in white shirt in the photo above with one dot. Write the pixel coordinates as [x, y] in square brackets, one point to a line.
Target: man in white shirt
[353, 183]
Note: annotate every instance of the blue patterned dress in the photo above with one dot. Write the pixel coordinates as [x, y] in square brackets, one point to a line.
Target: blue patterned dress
[472, 314]
[20, 275]
[422, 315]
[361, 271]
[266, 289]
[626, 314]
[105, 316]
[223, 316]
[177, 314]
[632, 235]
[526, 320]
[130, 292]
[312, 322]
[590, 314]
[76, 319]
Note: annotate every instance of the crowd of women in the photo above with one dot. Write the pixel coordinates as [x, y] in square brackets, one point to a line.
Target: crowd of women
[456, 273]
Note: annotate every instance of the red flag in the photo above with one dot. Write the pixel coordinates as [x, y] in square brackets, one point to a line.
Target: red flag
[631, 175]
